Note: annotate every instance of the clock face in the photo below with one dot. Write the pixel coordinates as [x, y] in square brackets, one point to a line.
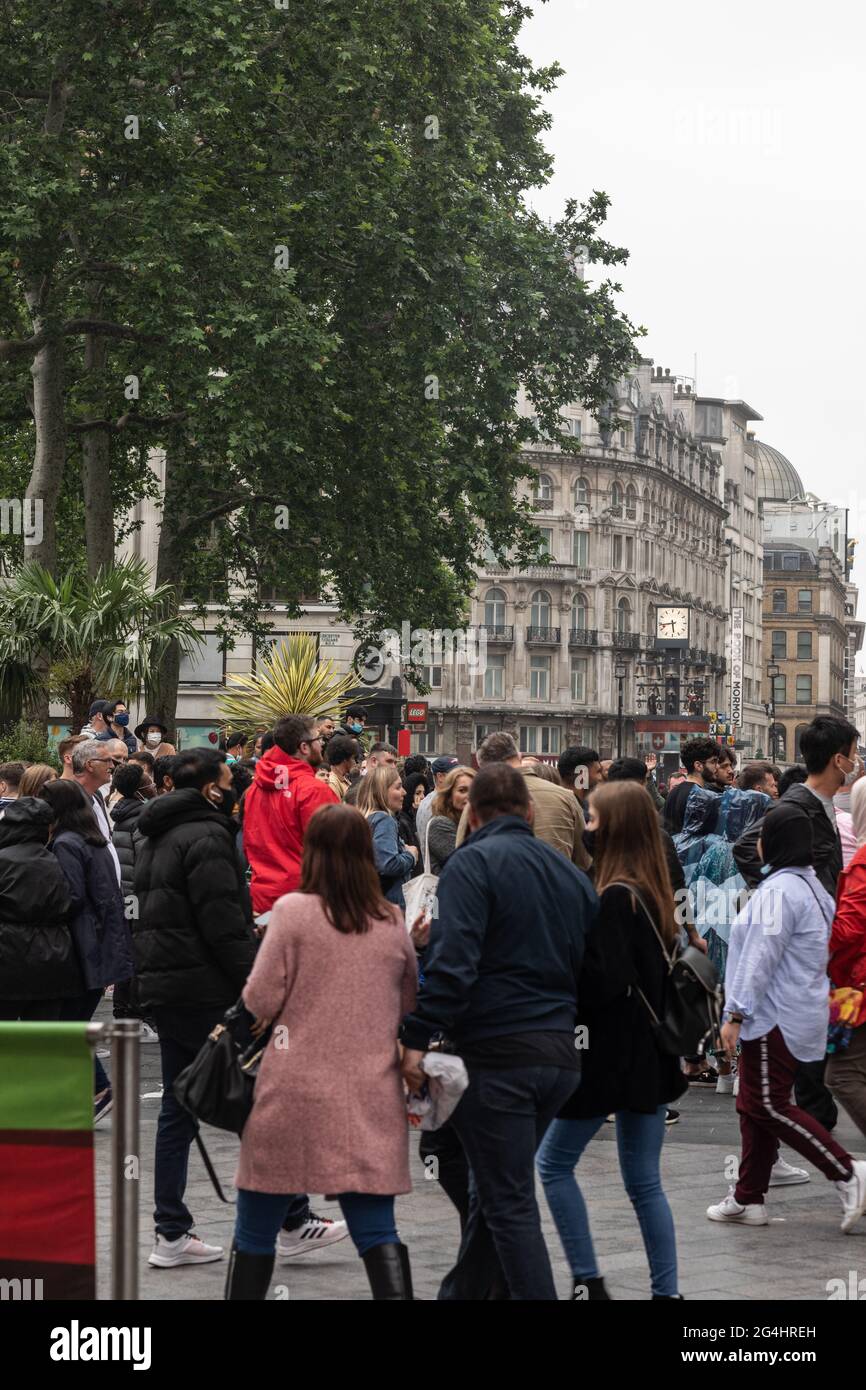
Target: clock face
[672, 623]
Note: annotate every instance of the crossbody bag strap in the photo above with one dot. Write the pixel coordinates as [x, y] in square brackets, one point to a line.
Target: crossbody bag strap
[636, 894]
[205, 1157]
[427, 845]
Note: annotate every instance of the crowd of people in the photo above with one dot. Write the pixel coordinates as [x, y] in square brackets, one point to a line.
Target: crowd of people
[275, 869]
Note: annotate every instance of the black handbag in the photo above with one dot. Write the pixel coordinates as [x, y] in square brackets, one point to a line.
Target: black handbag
[218, 1086]
[694, 998]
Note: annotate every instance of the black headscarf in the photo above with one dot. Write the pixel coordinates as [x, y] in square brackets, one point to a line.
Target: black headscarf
[786, 837]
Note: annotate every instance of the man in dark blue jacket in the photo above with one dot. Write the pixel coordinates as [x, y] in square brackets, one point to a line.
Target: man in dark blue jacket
[500, 984]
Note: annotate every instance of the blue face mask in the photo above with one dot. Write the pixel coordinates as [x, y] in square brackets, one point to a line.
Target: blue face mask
[122, 720]
[356, 728]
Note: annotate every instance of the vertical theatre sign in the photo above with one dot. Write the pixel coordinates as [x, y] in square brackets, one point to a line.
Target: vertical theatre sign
[736, 668]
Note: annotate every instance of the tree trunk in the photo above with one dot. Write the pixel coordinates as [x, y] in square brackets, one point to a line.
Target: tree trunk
[49, 459]
[96, 465]
[161, 689]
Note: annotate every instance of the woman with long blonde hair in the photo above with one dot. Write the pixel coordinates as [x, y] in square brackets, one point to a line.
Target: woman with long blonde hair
[449, 804]
[380, 799]
[623, 1070]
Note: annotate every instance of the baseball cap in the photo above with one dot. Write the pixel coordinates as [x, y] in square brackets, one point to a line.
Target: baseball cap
[444, 764]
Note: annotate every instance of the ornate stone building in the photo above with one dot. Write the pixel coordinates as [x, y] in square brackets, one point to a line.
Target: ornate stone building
[632, 523]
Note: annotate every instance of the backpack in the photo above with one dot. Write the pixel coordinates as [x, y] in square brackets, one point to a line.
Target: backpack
[693, 999]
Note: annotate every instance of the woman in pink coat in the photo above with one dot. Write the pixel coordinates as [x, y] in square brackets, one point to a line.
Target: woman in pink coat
[335, 974]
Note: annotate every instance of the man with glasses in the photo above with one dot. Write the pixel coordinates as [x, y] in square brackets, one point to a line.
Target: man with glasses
[284, 794]
[93, 767]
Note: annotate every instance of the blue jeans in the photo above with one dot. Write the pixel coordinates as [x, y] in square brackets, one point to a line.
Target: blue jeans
[260, 1215]
[500, 1121]
[181, 1036]
[639, 1142]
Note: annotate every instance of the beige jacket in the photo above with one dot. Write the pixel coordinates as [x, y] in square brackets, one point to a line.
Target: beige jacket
[337, 785]
[558, 818]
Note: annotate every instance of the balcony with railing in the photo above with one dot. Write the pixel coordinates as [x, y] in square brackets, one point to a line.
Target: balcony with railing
[583, 637]
[542, 504]
[501, 634]
[626, 641]
[542, 636]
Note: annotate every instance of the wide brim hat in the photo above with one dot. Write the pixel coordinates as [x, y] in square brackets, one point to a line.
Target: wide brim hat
[150, 722]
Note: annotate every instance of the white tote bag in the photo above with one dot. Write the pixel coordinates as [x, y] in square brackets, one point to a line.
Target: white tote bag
[419, 893]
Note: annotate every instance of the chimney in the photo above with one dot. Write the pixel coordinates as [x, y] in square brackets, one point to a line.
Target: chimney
[667, 372]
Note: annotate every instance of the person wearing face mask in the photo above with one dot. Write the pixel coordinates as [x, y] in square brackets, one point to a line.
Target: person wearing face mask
[776, 1008]
[118, 725]
[153, 734]
[194, 947]
[353, 726]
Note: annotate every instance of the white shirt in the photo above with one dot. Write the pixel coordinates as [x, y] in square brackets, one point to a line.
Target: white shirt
[776, 973]
[423, 816]
[101, 813]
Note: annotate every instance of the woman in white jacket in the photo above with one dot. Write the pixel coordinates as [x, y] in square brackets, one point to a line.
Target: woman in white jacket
[777, 1008]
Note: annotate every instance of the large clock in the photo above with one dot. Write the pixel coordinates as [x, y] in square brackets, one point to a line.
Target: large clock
[672, 626]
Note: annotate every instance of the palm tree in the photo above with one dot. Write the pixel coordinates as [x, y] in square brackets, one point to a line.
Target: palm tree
[288, 680]
[102, 634]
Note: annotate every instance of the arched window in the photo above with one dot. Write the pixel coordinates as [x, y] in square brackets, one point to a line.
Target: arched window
[623, 616]
[798, 733]
[539, 609]
[543, 488]
[494, 608]
[631, 502]
[647, 513]
[579, 613]
[615, 495]
[581, 493]
[778, 741]
[780, 601]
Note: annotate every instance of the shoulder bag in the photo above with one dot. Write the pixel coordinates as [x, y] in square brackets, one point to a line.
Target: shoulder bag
[217, 1087]
[693, 996]
[419, 893]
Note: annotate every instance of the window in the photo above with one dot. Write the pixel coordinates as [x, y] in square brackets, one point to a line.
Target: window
[629, 554]
[539, 678]
[579, 611]
[545, 545]
[432, 676]
[482, 730]
[581, 493]
[804, 646]
[780, 690]
[494, 678]
[616, 495]
[539, 609]
[204, 666]
[804, 690]
[578, 679]
[791, 560]
[804, 600]
[780, 601]
[571, 426]
[780, 645]
[580, 549]
[539, 738]
[631, 502]
[617, 552]
[425, 742]
[798, 734]
[623, 616]
[494, 608]
[778, 742]
[543, 491]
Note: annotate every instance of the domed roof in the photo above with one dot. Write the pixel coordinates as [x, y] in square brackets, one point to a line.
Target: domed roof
[778, 479]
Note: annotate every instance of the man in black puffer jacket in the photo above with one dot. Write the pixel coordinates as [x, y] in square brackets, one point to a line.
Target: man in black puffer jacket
[135, 786]
[194, 947]
[38, 963]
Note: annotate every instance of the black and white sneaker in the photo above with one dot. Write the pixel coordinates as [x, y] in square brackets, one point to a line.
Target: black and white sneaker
[672, 1117]
[315, 1234]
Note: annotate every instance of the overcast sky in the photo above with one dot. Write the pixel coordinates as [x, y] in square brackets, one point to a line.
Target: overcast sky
[730, 141]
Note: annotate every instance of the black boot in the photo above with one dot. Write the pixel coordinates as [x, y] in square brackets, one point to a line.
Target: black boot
[248, 1277]
[389, 1273]
[667, 1297]
[595, 1291]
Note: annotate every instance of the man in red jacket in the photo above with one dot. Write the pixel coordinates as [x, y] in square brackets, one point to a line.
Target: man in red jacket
[277, 808]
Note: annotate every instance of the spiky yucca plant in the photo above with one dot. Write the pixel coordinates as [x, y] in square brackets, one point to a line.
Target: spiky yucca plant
[289, 680]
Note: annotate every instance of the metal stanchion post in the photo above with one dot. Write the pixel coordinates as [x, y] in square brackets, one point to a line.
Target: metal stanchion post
[125, 1036]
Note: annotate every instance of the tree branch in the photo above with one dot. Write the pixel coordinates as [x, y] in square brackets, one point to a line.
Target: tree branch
[123, 421]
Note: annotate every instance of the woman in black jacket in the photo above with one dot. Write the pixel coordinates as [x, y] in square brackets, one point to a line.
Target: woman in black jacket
[99, 926]
[415, 789]
[134, 786]
[622, 1068]
[38, 964]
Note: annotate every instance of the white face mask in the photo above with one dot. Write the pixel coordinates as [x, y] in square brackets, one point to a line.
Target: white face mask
[154, 738]
[851, 777]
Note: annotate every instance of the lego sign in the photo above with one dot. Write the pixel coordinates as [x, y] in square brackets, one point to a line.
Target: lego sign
[416, 712]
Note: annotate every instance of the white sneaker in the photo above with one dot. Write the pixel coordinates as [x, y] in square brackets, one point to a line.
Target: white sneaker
[147, 1034]
[736, 1090]
[316, 1232]
[186, 1250]
[784, 1174]
[731, 1210]
[853, 1195]
[725, 1085]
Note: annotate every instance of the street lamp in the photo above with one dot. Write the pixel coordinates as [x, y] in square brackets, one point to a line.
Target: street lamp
[773, 670]
[620, 672]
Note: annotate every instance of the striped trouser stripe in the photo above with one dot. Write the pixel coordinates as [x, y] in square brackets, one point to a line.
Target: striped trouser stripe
[786, 1119]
